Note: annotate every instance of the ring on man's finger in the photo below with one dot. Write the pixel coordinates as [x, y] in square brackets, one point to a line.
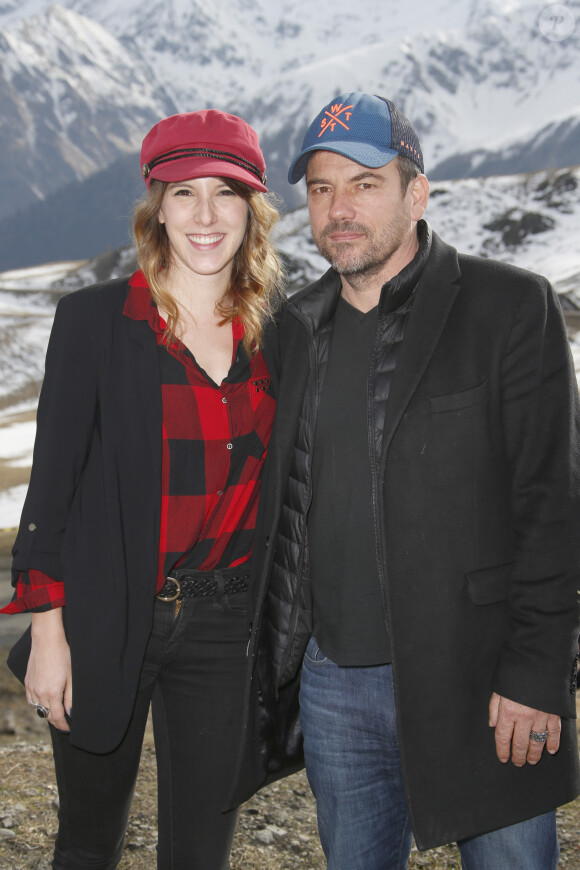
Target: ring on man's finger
[539, 736]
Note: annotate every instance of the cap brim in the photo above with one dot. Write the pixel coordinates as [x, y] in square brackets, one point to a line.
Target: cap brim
[194, 167]
[359, 152]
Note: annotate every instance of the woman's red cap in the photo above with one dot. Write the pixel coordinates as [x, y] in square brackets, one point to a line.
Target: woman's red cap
[204, 143]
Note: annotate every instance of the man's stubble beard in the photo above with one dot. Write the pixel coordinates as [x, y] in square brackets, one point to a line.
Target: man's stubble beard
[365, 263]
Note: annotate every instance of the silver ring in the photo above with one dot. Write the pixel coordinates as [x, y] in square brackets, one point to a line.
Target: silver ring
[539, 736]
[43, 712]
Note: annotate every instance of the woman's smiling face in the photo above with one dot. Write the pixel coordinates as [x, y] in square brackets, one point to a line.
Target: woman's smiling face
[205, 222]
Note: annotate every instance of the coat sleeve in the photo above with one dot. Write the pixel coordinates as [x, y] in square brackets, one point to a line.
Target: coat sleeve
[66, 418]
[541, 424]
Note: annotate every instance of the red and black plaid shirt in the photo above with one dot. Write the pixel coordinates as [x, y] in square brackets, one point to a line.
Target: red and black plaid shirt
[213, 449]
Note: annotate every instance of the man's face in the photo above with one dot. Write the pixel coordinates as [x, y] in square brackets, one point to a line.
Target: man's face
[361, 222]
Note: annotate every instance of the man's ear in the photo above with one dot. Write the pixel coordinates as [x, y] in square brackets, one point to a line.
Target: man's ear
[420, 194]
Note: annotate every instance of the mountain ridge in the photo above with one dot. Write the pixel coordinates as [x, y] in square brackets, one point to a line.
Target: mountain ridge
[488, 92]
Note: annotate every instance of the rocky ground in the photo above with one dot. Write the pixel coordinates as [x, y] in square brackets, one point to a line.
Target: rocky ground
[276, 831]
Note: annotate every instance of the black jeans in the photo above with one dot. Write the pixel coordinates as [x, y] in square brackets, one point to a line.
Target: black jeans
[193, 674]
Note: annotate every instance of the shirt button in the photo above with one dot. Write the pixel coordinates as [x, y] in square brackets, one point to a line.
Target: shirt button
[32, 527]
[229, 445]
[224, 400]
[220, 492]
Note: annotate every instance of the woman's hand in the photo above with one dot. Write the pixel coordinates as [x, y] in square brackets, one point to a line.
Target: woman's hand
[48, 677]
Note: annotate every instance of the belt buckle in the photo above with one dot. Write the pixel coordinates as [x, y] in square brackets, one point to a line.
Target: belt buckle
[170, 598]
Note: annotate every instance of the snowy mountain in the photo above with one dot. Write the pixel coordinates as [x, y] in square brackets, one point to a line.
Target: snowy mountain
[492, 85]
[61, 117]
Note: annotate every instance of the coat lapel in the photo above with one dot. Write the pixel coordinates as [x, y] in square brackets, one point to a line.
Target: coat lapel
[132, 430]
[146, 382]
[436, 292]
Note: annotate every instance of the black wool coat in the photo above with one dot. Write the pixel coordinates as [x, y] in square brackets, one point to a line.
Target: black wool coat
[479, 487]
[92, 513]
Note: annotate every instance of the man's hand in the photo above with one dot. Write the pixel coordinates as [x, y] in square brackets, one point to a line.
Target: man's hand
[513, 723]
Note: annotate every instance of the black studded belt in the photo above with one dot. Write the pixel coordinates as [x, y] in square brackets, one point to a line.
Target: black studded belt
[185, 583]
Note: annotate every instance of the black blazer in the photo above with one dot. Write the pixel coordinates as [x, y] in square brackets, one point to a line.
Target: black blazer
[92, 513]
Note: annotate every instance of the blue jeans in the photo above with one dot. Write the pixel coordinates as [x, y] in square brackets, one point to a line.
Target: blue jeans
[348, 720]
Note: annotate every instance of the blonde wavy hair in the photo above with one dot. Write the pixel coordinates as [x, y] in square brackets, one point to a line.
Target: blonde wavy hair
[256, 284]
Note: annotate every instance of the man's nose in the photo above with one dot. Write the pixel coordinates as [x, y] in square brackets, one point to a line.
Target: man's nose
[341, 206]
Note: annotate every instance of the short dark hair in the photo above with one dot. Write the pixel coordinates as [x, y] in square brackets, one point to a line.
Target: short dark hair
[408, 170]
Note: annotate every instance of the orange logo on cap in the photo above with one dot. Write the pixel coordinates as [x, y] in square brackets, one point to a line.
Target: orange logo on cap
[406, 146]
[333, 118]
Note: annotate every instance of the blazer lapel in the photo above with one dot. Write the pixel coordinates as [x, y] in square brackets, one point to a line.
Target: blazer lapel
[132, 415]
[436, 291]
[146, 383]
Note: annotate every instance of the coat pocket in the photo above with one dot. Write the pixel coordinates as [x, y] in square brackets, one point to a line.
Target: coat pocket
[489, 585]
[460, 401]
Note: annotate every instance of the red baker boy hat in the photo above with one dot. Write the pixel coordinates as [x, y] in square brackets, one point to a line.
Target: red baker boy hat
[204, 143]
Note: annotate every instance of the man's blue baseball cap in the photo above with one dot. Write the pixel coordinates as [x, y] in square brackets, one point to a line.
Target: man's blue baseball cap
[365, 128]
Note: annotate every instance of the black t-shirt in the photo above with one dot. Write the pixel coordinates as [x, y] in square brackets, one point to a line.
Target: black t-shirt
[349, 618]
